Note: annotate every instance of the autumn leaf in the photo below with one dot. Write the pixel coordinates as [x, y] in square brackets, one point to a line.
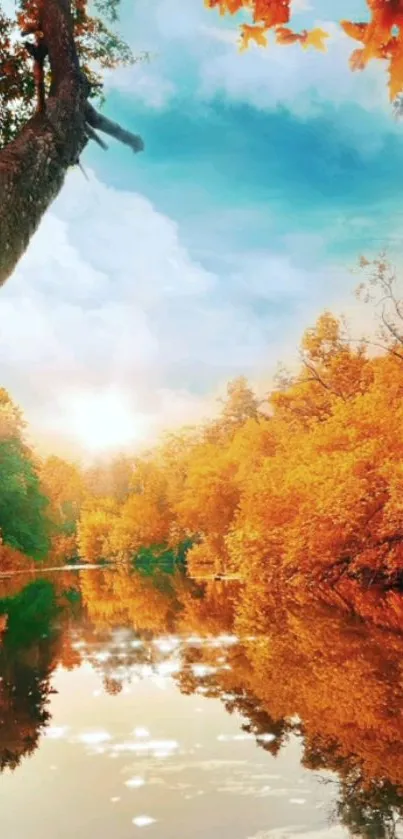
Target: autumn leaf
[358, 60]
[252, 33]
[271, 14]
[381, 36]
[225, 6]
[316, 39]
[286, 36]
[358, 31]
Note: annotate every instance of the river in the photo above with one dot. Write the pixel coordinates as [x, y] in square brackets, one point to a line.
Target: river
[132, 703]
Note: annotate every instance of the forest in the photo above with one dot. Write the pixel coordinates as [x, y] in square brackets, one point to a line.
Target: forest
[296, 494]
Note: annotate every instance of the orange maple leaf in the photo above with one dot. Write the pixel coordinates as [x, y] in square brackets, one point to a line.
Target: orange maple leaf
[271, 14]
[225, 6]
[316, 39]
[358, 31]
[253, 33]
[284, 35]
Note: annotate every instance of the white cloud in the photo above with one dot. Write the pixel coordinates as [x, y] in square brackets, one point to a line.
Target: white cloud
[108, 308]
[288, 75]
[144, 81]
[106, 295]
[298, 6]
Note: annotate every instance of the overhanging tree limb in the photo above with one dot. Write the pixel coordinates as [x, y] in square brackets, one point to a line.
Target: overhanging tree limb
[98, 121]
[34, 165]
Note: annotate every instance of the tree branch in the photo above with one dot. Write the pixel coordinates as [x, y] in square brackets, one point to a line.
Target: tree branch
[98, 121]
[319, 379]
[34, 165]
[92, 135]
[38, 52]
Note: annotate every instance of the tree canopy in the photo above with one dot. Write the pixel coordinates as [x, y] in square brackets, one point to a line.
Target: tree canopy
[300, 488]
[25, 77]
[23, 521]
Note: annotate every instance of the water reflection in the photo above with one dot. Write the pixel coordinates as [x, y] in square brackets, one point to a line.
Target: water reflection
[292, 731]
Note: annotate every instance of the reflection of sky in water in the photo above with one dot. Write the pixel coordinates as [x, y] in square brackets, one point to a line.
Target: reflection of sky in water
[151, 758]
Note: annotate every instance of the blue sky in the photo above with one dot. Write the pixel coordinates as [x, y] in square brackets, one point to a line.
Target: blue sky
[265, 175]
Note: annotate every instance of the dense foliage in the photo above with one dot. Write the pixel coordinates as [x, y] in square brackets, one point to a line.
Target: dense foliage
[98, 42]
[23, 521]
[305, 487]
[300, 489]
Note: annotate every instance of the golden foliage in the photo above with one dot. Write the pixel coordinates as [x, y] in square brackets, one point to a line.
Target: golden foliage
[301, 491]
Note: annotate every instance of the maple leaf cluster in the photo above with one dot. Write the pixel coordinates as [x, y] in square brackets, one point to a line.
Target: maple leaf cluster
[381, 37]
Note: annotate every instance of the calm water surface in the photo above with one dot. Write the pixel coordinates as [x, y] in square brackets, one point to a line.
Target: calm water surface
[109, 727]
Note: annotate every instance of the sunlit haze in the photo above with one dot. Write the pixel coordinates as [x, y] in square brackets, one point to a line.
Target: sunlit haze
[103, 422]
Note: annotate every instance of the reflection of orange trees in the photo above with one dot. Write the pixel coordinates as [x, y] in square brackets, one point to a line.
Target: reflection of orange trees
[160, 603]
[21, 723]
[209, 614]
[319, 674]
[29, 652]
[24, 694]
[313, 671]
[342, 680]
[121, 598]
[12, 560]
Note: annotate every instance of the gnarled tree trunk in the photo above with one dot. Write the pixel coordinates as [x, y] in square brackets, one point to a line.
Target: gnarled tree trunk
[34, 165]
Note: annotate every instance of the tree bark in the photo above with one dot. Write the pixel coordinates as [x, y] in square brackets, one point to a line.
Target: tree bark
[34, 165]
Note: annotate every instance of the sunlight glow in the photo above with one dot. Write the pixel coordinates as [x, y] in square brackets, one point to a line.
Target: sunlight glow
[103, 421]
